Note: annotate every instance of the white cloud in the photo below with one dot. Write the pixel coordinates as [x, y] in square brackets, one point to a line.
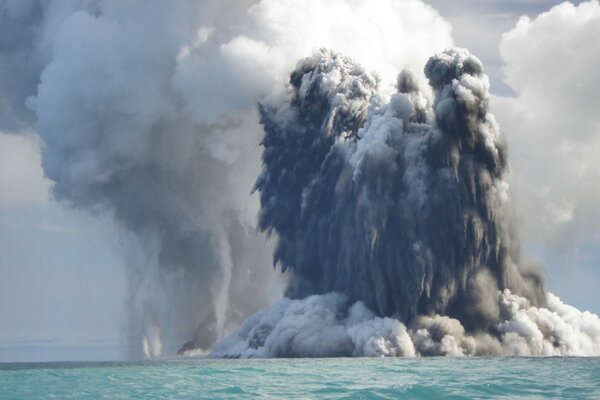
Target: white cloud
[478, 25]
[225, 69]
[552, 125]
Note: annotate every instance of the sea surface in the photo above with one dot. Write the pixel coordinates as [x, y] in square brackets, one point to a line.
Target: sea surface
[340, 378]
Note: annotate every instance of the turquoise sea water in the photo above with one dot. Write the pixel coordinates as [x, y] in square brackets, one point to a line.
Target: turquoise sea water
[357, 378]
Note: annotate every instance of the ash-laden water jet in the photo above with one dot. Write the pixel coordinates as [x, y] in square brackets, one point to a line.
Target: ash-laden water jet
[390, 212]
[397, 204]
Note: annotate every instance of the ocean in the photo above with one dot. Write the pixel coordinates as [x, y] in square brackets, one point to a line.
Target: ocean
[334, 378]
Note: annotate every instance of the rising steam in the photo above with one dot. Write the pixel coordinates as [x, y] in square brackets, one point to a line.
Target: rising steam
[102, 86]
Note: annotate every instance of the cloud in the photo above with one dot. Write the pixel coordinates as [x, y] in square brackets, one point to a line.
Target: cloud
[241, 64]
[552, 125]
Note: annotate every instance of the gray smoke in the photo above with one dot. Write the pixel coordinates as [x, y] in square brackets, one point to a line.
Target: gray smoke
[394, 202]
[390, 213]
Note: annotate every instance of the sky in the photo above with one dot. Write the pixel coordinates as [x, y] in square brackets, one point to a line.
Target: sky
[63, 286]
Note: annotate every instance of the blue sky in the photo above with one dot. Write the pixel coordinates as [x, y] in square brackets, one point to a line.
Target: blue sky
[63, 287]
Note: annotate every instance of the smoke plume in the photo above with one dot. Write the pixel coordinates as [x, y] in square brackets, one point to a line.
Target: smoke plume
[390, 213]
[395, 202]
[118, 139]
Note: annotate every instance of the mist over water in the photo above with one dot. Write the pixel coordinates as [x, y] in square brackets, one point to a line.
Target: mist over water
[397, 201]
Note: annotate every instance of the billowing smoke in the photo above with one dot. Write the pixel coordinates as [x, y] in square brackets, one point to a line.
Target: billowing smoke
[147, 112]
[392, 201]
[390, 213]
[330, 326]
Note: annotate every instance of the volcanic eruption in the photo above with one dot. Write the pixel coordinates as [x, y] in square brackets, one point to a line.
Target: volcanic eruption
[390, 210]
